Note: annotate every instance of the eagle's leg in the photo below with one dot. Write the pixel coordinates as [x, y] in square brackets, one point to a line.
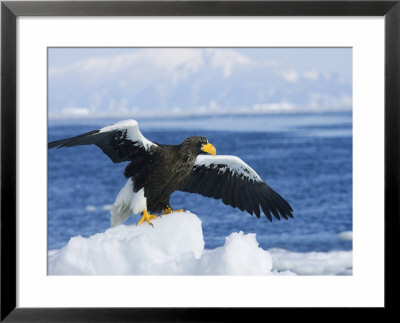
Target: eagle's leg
[169, 210]
[146, 217]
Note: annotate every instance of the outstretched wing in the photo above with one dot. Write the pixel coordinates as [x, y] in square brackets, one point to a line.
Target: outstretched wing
[229, 178]
[121, 141]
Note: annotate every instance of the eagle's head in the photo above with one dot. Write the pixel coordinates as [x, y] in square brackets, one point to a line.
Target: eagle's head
[197, 145]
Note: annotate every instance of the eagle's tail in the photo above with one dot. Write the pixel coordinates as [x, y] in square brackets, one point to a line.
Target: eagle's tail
[121, 208]
[127, 202]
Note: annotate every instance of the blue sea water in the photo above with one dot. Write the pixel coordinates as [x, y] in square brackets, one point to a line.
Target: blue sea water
[307, 158]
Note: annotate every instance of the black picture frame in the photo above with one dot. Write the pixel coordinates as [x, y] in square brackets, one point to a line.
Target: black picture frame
[11, 10]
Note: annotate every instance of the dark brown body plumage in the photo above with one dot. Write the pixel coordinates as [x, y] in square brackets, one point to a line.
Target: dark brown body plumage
[164, 171]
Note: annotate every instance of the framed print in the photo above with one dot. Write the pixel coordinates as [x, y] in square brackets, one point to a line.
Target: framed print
[304, 127]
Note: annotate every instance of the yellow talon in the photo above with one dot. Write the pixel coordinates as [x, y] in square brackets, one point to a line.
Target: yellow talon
[146, 217]
[168, 210]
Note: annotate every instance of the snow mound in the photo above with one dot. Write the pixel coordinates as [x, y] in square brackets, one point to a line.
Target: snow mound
[239, 256]
[174, 245]
[313, 263]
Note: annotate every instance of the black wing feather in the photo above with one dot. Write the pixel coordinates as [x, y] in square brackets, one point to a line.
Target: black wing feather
[227, 192]
[244, 190]
[236, 198]
[114, 143]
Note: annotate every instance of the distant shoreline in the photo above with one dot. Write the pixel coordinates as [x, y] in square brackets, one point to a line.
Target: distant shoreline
[79, 120]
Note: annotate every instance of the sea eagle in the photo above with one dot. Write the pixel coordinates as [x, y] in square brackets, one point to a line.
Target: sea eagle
[155, 171]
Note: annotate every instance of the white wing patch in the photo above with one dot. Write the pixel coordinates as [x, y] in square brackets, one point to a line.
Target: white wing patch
[133, 133]
[235, 164]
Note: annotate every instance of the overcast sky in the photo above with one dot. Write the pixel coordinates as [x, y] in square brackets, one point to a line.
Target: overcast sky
[129, 82]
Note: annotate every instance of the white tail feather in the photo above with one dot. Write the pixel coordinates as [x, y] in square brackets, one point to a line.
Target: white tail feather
[126, 203]
[119, 213]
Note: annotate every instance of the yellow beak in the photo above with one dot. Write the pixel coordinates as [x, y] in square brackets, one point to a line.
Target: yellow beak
[209, 149]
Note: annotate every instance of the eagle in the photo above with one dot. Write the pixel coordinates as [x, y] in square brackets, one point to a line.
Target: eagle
[155, 171]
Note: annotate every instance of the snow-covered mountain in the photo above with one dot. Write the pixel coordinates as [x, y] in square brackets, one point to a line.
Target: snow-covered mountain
[179, 81]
